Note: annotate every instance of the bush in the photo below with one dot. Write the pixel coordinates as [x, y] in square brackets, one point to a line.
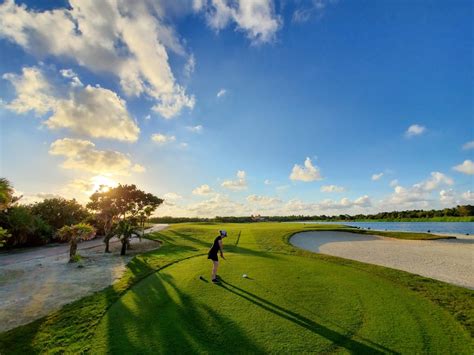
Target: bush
[25, 228]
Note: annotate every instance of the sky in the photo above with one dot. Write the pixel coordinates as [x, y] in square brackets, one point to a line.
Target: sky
[240, 107]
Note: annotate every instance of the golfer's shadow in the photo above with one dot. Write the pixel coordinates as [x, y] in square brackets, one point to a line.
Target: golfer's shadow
[341, 340]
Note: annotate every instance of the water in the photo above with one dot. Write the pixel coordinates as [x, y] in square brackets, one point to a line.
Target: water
[433, 227]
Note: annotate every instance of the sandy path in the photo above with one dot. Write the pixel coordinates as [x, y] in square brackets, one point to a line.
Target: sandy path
[446, 260]
[38, 281]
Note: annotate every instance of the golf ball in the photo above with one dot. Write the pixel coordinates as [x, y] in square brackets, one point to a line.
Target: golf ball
[244, 275]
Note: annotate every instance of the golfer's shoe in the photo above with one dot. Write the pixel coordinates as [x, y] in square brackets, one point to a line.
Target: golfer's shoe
[216, 281]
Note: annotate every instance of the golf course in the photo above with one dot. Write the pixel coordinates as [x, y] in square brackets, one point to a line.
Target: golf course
[292, 301]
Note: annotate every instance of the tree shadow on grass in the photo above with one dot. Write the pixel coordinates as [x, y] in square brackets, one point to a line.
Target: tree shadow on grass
[338, 339]
[160, 318]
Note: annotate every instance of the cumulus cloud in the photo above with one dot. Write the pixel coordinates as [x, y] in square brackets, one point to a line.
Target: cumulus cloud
[415, 130]
[267, 182]
[126, 39]
[467, 167]
[94, 112]
[195, 129]
[83, 156]
[33, 92]
[468, 145]
[332, 188]
[256, 18]
[238, 184]
[90, 111]
[307, 173]
[419, 192]
[376, 177]
[203, 190]
[162, 138]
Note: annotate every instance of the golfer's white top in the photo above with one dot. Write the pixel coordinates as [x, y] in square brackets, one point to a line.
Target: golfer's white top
[449, 260]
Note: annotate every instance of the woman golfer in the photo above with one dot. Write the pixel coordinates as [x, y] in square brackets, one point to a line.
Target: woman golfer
[212, 255]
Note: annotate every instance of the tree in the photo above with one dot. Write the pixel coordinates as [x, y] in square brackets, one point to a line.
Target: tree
[59, 212]
[74, 234]
[124, 230]
[124, 202]
[3, 236]
[6, 194]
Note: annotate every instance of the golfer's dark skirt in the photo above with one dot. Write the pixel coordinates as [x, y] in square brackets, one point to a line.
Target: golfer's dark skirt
[212, 256]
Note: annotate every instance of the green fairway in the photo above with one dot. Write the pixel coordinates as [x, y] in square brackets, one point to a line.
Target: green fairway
[293, 302]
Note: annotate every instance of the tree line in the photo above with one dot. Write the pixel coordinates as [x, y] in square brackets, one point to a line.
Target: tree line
[458, 211]
[119, 212]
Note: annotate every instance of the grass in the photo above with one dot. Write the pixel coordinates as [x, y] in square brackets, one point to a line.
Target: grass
[397, 234]
[294, 301]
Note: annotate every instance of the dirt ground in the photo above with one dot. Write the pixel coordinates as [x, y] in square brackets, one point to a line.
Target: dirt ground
[38, 281]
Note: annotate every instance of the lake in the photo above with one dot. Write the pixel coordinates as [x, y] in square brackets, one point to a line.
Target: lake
[433, 227]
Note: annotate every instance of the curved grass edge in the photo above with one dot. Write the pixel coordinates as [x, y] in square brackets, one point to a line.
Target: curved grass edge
[70, 329]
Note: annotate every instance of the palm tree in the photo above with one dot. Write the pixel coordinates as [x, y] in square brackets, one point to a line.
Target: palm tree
[74, 234]
[6, 193]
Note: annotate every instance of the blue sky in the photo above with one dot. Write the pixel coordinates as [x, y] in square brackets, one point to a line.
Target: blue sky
[241, 107]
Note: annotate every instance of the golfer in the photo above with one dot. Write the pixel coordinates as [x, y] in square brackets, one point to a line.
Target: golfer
[212, 255]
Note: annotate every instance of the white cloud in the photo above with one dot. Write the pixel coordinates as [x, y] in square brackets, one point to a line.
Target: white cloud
[267, 182]
[467, 167]
[239, 184]
[90, 111]
[190, 66]
[437, 179]
[137, 168]
[162, 138]
[263, 200]
[33, 92]
[446, 196]
[468, 145]
[82, 155]
[307, 173]
[393, 183]
[376, 177]
[415, 130]
[332, 188]
[127, 39]
[311, 8]
[221, 93]
[172, 196]
[468, 196]
[203, 190]
[256, 18]
[419, 192]
[195, 129]
[94, 112]
[70, 74]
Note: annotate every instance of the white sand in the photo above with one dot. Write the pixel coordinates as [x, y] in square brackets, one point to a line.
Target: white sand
[38, 281]
[449, 260]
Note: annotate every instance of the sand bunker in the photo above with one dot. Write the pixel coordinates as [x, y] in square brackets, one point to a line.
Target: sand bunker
[446, 260]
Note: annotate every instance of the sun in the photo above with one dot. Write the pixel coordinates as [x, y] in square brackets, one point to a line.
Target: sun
[102, 183]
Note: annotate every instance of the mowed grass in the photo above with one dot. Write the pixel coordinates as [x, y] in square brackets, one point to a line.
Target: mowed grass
[293, 301]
